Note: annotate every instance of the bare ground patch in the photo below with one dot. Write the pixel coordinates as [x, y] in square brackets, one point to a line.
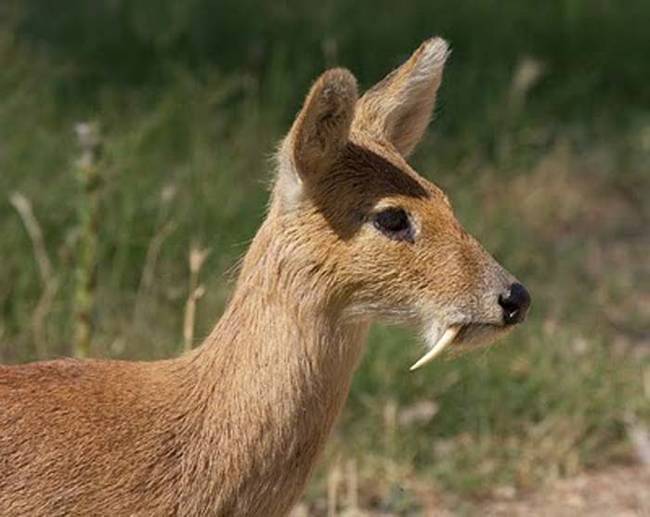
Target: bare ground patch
[616, 491]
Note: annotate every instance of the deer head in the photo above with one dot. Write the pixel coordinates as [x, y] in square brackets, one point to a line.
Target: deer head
[383, 240]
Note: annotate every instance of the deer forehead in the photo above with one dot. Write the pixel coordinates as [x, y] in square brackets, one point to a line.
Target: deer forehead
[370, 176]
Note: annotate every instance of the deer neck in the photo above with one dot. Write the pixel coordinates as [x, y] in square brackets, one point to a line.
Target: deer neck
[275, 372]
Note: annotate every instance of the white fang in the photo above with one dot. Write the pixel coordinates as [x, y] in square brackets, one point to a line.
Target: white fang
[440, 345]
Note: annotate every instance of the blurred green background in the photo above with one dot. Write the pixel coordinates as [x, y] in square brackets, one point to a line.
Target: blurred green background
[541, 138]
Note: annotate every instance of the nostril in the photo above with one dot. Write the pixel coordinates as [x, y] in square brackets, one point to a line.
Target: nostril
[515, 304]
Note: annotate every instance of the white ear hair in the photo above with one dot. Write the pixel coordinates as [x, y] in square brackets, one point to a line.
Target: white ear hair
[319, 134]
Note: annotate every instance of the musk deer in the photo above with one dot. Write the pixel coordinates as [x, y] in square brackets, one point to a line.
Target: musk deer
[353, 234]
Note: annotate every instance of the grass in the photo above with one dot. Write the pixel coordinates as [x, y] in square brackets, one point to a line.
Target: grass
[186, 167]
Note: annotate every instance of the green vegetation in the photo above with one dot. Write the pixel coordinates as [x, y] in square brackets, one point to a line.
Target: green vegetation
[542, 141]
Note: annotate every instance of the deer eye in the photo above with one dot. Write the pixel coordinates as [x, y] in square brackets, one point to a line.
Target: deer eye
[394, 223]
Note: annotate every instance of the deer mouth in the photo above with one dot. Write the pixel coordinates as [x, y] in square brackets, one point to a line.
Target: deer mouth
[461, 336]
[477, 335]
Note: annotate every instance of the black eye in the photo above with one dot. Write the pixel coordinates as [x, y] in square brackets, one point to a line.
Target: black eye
[394, 223]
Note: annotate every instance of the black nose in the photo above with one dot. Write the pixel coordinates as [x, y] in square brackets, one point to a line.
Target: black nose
[515, 304]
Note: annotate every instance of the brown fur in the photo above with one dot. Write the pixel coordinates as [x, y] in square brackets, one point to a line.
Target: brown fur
[235, 426]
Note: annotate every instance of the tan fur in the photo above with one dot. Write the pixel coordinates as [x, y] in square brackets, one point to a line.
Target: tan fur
[235, 426]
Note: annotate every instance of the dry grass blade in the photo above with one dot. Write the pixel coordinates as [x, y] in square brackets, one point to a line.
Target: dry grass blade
[49, 281]
[148, 270]
[153, 251]
[24, 208]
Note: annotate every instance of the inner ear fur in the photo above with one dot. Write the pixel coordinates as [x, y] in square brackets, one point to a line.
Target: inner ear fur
[322, 127]
[398, 109]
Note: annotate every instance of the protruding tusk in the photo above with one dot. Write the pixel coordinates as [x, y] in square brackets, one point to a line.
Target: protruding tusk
[442, 343]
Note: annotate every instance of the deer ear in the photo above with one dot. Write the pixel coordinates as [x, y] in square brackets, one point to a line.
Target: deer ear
[321, 129]
[399, 107]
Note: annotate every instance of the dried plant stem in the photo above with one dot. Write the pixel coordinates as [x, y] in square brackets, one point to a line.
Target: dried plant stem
[333, 480]
[352, 487]
[197, 258]
[86, 270]
[49, 281]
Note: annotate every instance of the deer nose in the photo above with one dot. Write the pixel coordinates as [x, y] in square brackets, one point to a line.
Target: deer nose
[515, 304]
